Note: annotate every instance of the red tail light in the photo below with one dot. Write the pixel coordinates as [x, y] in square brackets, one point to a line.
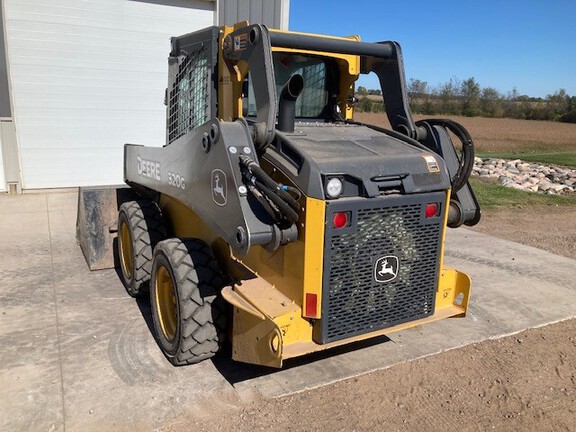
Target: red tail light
[311, 307]
[432, 209]
[341, 219]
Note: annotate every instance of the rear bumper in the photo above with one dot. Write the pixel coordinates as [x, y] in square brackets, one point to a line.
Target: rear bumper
[455, 286]
[268, 328]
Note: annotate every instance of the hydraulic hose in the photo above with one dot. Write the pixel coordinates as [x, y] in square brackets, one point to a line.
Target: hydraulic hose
[466, 161]
[286, 211]
[281, 190]
[276, 217]
[274, 197]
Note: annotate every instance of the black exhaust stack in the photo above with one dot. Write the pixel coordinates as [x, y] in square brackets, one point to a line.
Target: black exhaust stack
[287, 105]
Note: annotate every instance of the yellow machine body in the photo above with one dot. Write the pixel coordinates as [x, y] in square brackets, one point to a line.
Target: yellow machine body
[269, 325]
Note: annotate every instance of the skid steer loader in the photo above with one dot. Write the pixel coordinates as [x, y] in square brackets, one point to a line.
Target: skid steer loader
[272, 218]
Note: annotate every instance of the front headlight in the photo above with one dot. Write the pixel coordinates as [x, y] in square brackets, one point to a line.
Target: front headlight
[334, 187]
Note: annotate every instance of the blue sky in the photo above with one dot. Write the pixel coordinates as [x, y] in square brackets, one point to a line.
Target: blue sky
[529, 45]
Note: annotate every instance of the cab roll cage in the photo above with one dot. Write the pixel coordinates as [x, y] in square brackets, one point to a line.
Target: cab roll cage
[253, 43]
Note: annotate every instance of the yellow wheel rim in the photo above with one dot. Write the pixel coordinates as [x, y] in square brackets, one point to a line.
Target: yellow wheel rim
[165, 302]
[126, 250]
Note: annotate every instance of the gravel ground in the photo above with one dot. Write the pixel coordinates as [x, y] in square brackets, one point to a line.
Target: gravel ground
[525, 382]
[529, 177]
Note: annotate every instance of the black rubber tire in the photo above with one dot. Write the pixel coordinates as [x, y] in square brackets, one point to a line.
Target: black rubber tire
[201, 312]
[146, 228]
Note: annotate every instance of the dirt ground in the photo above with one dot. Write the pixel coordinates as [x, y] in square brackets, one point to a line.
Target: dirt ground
[525, 382]
[504, 135]
[545, 227]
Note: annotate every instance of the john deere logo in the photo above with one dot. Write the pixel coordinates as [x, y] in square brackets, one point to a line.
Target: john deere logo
[386, 268]
[219, 192]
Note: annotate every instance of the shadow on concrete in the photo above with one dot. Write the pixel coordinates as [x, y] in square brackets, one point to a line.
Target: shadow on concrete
[143, 302]
[235, 372]
[146, 311]
[116, 259]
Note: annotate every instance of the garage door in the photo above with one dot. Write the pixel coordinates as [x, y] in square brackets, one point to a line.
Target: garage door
[88, 76]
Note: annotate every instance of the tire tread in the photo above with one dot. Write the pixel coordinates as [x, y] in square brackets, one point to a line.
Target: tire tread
[147, 229]
[202, 309]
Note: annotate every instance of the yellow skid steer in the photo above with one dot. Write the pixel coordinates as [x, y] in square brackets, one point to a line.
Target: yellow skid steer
[273, 219]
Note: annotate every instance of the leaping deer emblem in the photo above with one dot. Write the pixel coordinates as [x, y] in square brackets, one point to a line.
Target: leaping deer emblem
[217, 188]
[386, 269]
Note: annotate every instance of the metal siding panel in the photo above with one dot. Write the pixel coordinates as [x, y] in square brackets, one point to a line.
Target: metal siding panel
[283, 14]
[243, 12]
[88, 77]
[278, 14]
[5, 108]
[231, 12]
[10, 151]
[257, 12]
[2, 181]
[269, 13]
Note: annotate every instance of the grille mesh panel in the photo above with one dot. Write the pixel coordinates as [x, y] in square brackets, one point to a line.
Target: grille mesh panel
[189, 95]
[357, 303]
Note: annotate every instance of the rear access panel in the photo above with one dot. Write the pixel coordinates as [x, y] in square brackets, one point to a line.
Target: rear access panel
[380, 270]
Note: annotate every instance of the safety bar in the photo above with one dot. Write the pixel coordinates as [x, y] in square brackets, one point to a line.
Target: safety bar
[383, 50]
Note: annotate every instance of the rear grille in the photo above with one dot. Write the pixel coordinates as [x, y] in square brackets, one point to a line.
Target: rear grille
[354, 302]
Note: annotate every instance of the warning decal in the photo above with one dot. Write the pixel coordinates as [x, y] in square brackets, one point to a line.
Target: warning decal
[432, 163]
[240, 42]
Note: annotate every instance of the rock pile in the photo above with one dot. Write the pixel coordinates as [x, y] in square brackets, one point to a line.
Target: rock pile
[533, 177]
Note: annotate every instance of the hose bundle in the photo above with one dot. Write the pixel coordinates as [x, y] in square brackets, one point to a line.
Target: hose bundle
[466, 161]
[279, 201]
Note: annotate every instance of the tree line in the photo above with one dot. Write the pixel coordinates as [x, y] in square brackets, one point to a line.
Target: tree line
[468, 98]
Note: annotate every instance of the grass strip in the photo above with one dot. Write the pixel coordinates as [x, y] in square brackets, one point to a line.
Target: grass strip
[490, 194]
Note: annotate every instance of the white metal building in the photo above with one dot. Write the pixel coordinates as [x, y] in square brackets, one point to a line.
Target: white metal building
[79, 78]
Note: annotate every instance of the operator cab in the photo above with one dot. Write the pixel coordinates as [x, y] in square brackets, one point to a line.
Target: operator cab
[318, 100]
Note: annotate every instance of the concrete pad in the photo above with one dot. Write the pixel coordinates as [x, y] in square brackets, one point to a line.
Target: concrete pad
[30, 376]
[78, 352]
